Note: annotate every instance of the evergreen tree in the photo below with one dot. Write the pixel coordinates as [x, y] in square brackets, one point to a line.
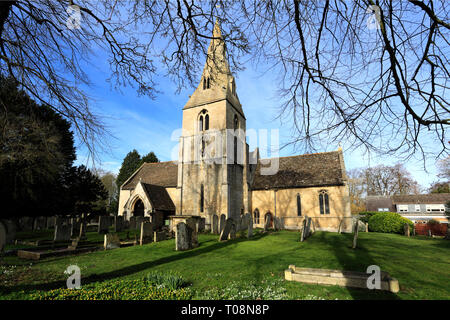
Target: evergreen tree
[150, 157]
[130, 164]
[36, 153]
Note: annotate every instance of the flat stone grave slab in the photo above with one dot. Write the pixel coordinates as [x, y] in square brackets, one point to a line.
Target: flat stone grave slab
[339, 278]
[41, 253]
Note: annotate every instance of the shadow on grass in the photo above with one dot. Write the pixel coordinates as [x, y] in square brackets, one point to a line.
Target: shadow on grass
[202, 249]
[358, 259]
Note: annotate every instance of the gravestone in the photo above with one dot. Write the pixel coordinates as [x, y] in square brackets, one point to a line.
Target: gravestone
[367, 227]
[11, 230]
[75, 230]
[62, 232]
[82, 233]
[303, 231]
[26, 224]
[355, 234]
[308, 226]
[51, 222]
[201, 224]
[2, 236]
[40, 223]
[112, 241]
[103, 224]
[447, 235]
[118, 223]
[233, 230]
[249, 225]
[406, 229]
[159, 236]
[146, 232]
[182, 237]
[74, 244]
[215, 224]
[139, 221]
[267, 222]
[429, 233]
[229, 224]
[157, 219]
[340, 226]
[222, 222]
[133, 223]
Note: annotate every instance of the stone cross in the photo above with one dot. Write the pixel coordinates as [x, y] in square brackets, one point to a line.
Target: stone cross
[355, 233]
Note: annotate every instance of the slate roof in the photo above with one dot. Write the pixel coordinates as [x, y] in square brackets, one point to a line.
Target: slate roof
[308, 170]
[160, 173]
[158, 197]
[432, 198]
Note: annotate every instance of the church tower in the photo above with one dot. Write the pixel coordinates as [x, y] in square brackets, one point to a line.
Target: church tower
[213, 153]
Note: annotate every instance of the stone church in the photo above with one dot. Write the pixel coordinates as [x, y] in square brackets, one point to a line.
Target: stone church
[217, 174]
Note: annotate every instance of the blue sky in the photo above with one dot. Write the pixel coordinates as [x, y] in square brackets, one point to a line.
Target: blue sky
[150, 125]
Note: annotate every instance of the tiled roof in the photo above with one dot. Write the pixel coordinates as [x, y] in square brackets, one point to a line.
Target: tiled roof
[308, 170]
[435, 198]
[160, 173]
[159, 197]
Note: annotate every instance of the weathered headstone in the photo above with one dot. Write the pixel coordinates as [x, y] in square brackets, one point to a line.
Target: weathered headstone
[215, 224]
[2, 236]
[229, 224]
[139, 221]
[182, 237]
[367, 227]
[233, 230]
[406, 229]
[51, 222]
[62, 232]
[133, 223]
[308, 226]
[146, 232]
[340, 226]
[103, 224]
[26, 224]
[355, 234]
[112, 241]
[267, 222]
[222, 222]
[303, 231]
[159, 236]
[249, 225]
[429, 233]
[40, 223]
[201, 224]
[118, 223]
[11, 230]
[76, 225]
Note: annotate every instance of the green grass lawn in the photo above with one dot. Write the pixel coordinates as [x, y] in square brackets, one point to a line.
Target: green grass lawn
[231, 269]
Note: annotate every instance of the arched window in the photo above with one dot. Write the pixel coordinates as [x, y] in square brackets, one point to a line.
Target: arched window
[207, 83]
[200, 123]
[207, 122]
[202, 198]
[236, 122]
[324, 203]
[256, 216]
[204, 83]
[299, 205]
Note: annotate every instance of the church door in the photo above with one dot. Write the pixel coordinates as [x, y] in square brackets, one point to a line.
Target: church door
[139, 208]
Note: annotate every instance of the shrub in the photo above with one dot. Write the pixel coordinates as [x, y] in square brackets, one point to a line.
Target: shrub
[365, 216]
[388, 222]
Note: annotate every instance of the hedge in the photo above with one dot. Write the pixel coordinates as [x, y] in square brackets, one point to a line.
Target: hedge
[365, 215]
[388, 222]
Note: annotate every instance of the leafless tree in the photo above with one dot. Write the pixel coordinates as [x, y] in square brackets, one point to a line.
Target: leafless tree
[382, 85]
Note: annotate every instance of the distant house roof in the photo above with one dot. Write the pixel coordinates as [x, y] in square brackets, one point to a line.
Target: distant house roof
[160, 173]
[158, 197]
[436, 198]
[308, 170]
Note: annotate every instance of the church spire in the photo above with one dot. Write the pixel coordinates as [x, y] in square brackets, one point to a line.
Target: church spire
[217, 82]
